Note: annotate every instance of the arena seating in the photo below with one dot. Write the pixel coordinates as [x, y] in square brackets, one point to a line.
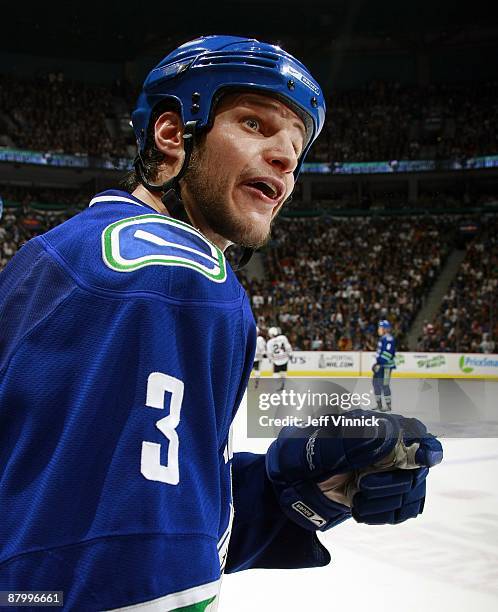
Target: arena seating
[467, 319]
[329, 280]
[382, 121]
[53, 114]
[385, 121]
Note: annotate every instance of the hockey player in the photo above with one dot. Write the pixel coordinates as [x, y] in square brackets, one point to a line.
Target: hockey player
[279, 352]
[259, 355]
[384, 365]
[126, 346]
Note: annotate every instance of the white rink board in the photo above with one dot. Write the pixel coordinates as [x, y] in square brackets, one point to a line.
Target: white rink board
[408, 365]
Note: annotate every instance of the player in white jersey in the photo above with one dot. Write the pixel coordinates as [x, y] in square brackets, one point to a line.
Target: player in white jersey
[259, 356]
[279, 352]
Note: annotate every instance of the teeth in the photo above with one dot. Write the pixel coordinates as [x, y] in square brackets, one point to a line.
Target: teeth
[266, 188]
[274, 191]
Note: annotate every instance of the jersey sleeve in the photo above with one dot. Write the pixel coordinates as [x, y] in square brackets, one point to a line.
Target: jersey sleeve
[262, 536]
[114, 413]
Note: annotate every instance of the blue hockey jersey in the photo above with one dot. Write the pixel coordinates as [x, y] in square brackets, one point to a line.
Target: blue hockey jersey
[125, 348]
[386, 350]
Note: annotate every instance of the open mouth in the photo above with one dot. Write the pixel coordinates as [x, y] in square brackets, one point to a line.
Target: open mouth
[267, 189]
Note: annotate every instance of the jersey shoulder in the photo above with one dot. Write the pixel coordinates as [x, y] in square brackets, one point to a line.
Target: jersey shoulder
[119, 244]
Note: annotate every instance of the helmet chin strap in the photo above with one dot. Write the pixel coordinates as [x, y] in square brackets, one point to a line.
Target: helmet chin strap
[171, 188]
[171, 197]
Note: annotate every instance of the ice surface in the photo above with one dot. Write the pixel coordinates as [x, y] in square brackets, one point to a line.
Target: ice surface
[446, 559]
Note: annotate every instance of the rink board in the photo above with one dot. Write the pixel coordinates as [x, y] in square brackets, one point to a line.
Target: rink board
[408, 365]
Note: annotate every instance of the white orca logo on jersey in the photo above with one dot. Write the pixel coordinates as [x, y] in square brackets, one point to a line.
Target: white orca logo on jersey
[151, 240]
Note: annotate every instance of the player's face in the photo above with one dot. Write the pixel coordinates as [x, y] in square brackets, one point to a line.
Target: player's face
[380, 331]
[242, 173]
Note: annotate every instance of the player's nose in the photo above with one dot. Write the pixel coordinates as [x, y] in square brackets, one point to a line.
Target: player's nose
[280, 153]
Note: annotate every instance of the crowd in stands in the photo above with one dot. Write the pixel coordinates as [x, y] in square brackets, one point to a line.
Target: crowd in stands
[57, 115]
[328, 281]
[19, 226]
[468, 317]
[430, 201]
[23, 220]
[385, 121]
[26, 196]
[382, 121]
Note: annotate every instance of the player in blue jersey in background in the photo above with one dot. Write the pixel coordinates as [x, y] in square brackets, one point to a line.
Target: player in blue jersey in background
[126, 346]
[384, 365]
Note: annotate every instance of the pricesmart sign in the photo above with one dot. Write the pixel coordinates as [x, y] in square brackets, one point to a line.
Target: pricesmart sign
[477, 364]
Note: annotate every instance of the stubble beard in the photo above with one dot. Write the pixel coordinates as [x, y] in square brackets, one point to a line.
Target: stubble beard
[209, 191]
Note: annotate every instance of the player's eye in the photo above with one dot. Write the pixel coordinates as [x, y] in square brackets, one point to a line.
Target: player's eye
[253, 124]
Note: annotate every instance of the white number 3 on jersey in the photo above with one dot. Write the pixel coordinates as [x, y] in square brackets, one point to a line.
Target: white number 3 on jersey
[158, 384]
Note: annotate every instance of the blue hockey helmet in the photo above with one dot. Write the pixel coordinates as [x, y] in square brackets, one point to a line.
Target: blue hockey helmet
[384, 324]
[196, 74]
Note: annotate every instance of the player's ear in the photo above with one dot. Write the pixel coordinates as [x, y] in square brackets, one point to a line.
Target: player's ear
[168, 135]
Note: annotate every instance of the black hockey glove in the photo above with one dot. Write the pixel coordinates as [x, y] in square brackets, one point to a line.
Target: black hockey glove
[374, 472]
